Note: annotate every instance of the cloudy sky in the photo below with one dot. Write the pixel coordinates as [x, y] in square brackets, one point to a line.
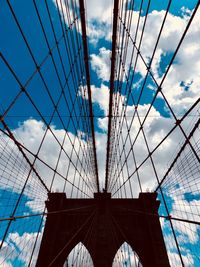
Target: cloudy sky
[180, 89]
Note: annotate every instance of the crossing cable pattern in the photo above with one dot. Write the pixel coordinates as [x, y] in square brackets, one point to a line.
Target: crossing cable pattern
[54, 93]
[54, 148]
[134, 157]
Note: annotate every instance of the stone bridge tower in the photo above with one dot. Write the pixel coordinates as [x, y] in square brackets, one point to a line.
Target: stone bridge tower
[110, 223]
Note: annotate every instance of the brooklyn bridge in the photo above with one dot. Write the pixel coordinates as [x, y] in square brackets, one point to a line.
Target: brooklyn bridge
[99, 135]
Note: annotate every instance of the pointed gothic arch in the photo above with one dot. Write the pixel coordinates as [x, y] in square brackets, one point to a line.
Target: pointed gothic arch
[79, 256]
[126, 257]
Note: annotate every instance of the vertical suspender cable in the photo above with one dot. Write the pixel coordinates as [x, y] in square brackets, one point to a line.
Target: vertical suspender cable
[112, 79]
[85, 49]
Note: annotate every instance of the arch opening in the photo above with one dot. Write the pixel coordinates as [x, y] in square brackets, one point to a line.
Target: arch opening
[79, 256]
[126, 257]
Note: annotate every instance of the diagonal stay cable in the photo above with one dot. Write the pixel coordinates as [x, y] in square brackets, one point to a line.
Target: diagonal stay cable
[69, 53]
[31, 100]
[43, 162]
[119, 79]
[14, 218]
[10, 134]
[92, 215]
[136, 59]
[178, 154]
[159, 87]
[161, 216]
[159, 144]
[171, 110]
[124, 107]
[46, 87]
[156, 175]
[129, 85]
[165, 75]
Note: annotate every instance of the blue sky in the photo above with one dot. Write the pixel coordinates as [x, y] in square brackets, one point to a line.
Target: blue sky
[12, 46]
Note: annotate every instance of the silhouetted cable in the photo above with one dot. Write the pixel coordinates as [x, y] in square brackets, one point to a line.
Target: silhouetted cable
[14, 218]
[84, 36]
[163, 78]
[112, 78]
[162, 141]
[178, 154]
[73, 237]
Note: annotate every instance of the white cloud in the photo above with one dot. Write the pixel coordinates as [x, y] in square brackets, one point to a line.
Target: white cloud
[31, 132]
[187, 61]
[173, 255]
[180, 99]
[99, 10]
[101, 63]
[188, 57]
[183, 209]
[5, 264]
[23, 246]
[34, 130]
[101, 141]
[156, 126]
[99, 18]
[175, 259]
[7, 254]
[101, 96]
